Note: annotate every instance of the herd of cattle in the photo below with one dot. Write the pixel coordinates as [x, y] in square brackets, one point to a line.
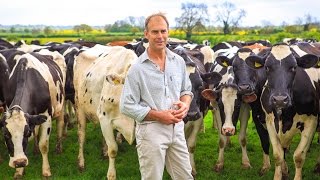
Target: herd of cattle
[279, 84]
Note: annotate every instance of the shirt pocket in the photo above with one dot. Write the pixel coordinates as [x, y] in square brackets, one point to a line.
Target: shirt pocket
[141, 130]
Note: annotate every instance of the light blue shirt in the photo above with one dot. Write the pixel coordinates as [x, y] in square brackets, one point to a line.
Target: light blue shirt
[146, 87]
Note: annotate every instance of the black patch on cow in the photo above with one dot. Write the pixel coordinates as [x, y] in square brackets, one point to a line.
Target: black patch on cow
[91, 101]
[48, 131]
[112, 100]
[104, 113]
[300, 126]
[86, 91]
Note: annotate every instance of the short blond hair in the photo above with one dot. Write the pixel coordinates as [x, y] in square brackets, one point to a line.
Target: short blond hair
[154, 15]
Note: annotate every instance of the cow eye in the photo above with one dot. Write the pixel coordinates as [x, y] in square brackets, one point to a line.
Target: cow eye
[293, 69]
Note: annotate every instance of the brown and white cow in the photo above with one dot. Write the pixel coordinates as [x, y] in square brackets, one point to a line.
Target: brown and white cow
[99, 74]
[35, 95]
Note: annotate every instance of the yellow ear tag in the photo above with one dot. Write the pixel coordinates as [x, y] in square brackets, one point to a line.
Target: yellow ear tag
[116, 81]
[318, 65]
[225, 64]
[257, 65]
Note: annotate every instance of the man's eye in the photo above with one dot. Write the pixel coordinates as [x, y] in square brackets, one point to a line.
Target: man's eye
[163, 31]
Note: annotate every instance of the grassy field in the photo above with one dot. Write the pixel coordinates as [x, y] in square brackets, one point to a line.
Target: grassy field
[64, 166]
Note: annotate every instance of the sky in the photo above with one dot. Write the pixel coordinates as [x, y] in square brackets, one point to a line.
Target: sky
[102, 12]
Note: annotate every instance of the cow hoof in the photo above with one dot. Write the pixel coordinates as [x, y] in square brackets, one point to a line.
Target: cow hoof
[263, 171]
[194, 173]
[58, 149]
[317, 169]
[81, 168]
[18, 177]
[218, 168]
[46, 175]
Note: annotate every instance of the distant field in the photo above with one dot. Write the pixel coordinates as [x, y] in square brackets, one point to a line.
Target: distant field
[64, 166]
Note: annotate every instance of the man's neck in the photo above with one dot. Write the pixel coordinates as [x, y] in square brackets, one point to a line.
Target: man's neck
[158, 57]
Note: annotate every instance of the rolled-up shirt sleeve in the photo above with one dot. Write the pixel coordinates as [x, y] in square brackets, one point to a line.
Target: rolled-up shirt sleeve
[186, 84]
[130, 100]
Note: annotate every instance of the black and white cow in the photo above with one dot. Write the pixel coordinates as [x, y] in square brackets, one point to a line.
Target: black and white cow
[250, 83]
[35, 95]
[199, 106]
[290, 101]
[227, 105]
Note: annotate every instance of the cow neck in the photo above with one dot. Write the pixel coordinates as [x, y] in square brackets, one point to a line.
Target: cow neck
[158, 57]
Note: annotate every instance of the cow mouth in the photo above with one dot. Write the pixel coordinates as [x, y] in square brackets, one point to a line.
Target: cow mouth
[249, 97]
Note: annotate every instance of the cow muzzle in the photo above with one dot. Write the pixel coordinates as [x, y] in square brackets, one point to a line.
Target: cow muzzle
[18, 163]
[281, 101]
[228, 131]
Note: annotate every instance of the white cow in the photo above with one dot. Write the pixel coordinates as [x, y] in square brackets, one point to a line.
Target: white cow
[99, 74]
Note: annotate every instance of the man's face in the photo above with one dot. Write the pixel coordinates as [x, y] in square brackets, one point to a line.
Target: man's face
[157, 33]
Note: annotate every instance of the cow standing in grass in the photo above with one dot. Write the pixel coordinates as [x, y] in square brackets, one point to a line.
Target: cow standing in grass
[99, 74]
[34, 95]
[290, 101]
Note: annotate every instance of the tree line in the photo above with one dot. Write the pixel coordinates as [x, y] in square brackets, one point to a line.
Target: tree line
[194, 18]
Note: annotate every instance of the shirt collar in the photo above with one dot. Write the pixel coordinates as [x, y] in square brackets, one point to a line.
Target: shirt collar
[144, 56]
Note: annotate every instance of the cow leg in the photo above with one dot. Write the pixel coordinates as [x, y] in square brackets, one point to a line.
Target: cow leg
[81, 137]
[276, 146]
[244, 118]
[299, 155]
[19, 173]
[222, 144]
[60, 129]
[192, 128]
[264, 140]
[45, 131]
[108, 135]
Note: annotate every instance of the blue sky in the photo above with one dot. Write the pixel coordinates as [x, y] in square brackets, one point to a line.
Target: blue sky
[101, 12]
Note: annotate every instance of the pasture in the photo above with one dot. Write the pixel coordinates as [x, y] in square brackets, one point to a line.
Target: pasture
[64, 166]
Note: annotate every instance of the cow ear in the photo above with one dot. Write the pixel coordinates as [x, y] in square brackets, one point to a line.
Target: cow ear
[255, 62]
[115, 79]
[209, 94]
[308, 60]
[224, 61]
[35, 119]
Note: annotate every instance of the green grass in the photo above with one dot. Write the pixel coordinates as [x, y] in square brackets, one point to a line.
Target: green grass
[64, 166]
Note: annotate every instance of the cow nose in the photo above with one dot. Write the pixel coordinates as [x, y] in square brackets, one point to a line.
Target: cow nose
[20, 163]
[244, 87]
[228, 131]
[280, 101]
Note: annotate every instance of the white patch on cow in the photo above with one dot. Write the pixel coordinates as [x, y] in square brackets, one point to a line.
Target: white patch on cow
[208, 54]
[244, 55]
[299, 51]
[146, 45]
[191, 69]
[280, 51]
[314, 75]
[30, 48]
[229, 95]
[15, 125]
[69, 50]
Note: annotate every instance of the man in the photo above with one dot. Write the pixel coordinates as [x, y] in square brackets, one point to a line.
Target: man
[157, 94]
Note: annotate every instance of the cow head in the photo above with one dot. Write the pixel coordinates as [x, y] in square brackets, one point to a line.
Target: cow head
[280, 66]
[17, 127]
[224, 95]
[248, 80]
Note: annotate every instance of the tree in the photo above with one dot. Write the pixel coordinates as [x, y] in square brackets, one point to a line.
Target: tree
[84, 28]
[228, 14]
[193, 15]
[47, 30]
